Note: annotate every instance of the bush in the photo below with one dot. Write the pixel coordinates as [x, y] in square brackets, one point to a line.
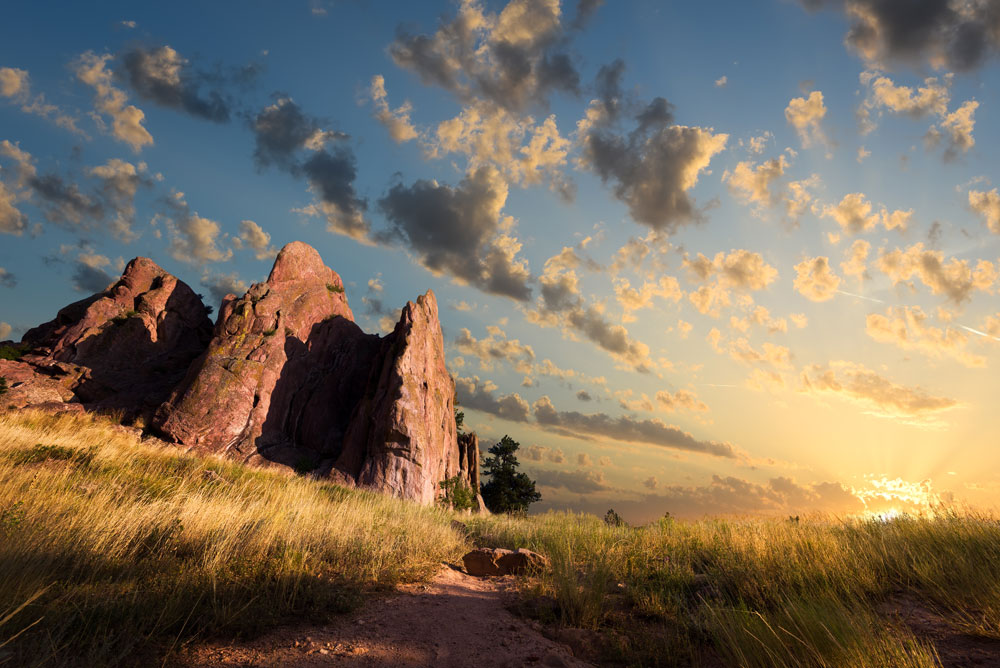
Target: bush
[457, 495]
[13, 351]
[335, 288]
[3, 386]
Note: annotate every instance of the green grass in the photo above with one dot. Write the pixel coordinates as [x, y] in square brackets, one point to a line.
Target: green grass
[137, 549]
[335, 288]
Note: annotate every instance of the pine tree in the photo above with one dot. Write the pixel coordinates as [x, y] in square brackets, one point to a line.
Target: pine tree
[507, 490]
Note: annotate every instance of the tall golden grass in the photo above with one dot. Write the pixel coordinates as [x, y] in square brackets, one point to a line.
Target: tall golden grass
[116, 552]
[137, 548]
[761, 592]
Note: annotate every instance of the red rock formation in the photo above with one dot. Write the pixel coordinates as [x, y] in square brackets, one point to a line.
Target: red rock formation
[290, 378]
[402, 437]
[286, 376]
[124, 348]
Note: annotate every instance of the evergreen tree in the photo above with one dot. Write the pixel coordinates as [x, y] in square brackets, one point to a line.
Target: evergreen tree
[508, 490]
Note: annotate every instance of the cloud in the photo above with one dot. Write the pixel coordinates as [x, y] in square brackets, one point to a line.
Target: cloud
[856, 262]
[576, 482]
[624, 428]
[110, 202]
[632, 299]
[959, 36]
[561, 304]
[163, 76]
[126, 119]
[815, 280]
[680, 400]
[907, 328]
[286, 137]
[987, 205]
[118, 182]
[13, 82]
[760, 185]
[396, 121]
[89, 273]
[253, 237]
[525, 152]
[856, 383]
[496, 347]
[194, 239]
[721, 81]
[5, 330]
[7, 279]
[514, 58]
[855, 215]
[806, 116]
[931, 99]
[653, 168]
[458, 231]
[584, 395]
[955, 279]
[739, 269]
[15, 85]
[220, 285]
[12, 220]
[478, 395]
[583, 459]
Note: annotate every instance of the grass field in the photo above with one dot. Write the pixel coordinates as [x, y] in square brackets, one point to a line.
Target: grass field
[116, 552]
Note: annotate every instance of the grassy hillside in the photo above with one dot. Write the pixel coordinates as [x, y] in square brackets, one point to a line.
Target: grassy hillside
[125, 549]
[114, 552]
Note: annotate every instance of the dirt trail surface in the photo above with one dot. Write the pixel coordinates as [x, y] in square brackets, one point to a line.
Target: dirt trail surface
[956, 650]
[456, 620]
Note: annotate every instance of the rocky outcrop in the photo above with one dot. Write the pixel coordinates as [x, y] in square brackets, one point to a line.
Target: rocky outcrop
[468, 465]
[290, 378]
[286, 376]
[123, 349]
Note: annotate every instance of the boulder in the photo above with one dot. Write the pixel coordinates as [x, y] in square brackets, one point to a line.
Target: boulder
[498, 561]
[121, 349]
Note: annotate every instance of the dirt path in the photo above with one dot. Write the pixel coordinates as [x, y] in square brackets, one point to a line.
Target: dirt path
[955, 650]
[454, 621]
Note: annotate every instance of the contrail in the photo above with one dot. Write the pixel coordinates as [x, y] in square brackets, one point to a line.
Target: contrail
[851, 294]
[976, 331]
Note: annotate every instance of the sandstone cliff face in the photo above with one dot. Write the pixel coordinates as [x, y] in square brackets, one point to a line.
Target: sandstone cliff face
[276, 351]
[124, 348]
[285, 376]
[402, 437]
[290, 378]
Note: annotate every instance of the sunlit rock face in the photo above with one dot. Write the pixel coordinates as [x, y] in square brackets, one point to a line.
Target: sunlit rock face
[288, 377]
[123, 349]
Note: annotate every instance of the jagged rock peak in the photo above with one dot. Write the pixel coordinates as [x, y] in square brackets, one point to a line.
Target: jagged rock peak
[123, 348]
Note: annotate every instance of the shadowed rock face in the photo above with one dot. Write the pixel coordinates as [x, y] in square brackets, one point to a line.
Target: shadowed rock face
[122, 349]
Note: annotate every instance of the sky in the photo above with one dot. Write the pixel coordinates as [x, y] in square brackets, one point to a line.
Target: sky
[696, 258]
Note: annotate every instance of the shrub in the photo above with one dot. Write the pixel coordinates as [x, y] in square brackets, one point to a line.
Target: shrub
[13, 351]
[457, 495]
[3, 386]
[335, 288]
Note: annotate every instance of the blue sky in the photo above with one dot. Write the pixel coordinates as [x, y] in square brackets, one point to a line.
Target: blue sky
[639, 218]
